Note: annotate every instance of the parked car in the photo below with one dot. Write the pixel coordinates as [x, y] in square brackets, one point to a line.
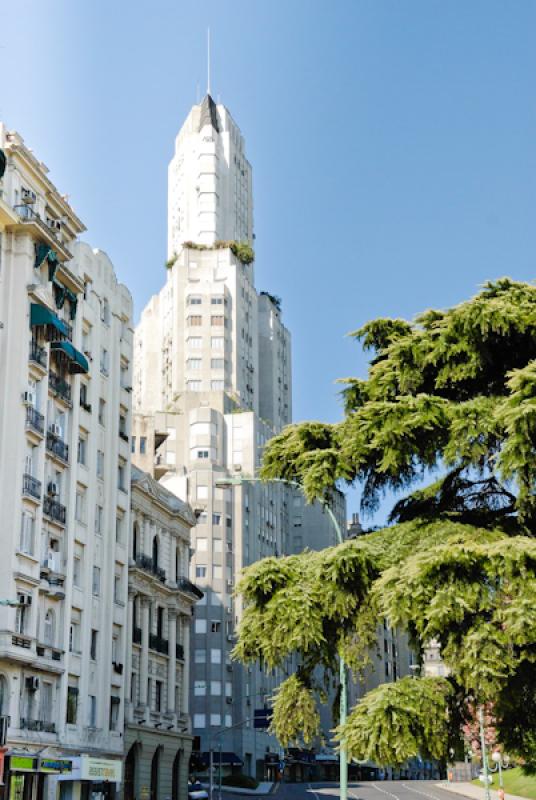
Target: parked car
[196, 791]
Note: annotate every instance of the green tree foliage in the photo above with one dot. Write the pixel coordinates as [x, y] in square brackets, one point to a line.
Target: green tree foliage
[453, 392]
[397, 720]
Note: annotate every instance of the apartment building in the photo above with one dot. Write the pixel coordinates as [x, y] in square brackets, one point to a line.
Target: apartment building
[65, 408]
[161, 598]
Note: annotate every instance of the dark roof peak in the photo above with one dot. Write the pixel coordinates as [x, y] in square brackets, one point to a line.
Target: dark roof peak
[209, 114]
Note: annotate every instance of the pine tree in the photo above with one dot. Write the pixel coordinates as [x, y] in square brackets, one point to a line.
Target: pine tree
[451, 393]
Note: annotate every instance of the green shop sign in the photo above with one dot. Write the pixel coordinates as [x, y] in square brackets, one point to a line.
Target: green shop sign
[25, 763]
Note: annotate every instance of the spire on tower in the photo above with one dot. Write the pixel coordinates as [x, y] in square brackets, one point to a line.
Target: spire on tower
[208, 61]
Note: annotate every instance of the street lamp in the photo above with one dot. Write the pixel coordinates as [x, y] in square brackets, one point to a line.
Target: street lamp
[485, 766]
[500, 764]
[343, 701]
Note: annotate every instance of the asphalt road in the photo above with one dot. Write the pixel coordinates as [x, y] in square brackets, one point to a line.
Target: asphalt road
[367, 790]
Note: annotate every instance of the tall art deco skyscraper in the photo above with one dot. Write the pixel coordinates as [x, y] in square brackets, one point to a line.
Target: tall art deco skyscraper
[212, 383]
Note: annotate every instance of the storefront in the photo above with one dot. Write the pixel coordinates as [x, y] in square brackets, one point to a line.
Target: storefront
[91, 779]
[28, 777]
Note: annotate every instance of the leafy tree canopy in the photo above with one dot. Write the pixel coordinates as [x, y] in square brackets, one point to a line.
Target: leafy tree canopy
[452, 392]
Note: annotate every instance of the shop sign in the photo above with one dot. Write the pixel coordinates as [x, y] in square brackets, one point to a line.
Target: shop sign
[54, 765]
[100, 769]
[22, 764]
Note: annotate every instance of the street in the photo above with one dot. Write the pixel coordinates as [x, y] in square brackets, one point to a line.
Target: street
[373, 790]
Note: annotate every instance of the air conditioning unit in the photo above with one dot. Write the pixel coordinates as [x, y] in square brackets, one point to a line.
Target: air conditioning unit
[25, 600]
[229, 609]
[55, 429]
[53, 489]
[230, 637]
[50, 563]
[28, 197]
[28, 398]
[32, 683]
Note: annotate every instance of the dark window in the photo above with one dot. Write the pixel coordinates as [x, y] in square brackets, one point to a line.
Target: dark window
[72, 705]
[93, 648]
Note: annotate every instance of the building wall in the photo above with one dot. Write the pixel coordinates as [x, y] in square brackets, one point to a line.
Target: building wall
[59, 465]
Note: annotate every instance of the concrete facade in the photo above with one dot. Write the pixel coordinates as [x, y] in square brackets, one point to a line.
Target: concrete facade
[65, 406]
[158, 739]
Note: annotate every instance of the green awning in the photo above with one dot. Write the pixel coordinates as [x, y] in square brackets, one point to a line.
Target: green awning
[78, 361]
[41, 315]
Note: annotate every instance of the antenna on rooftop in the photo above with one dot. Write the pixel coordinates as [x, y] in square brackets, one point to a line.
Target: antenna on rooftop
[208, 60]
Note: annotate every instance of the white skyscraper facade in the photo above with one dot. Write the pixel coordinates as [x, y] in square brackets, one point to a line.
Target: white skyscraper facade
[212, 383]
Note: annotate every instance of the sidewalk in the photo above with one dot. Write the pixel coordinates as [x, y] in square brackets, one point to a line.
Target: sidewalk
[474, 792]
[265, 787]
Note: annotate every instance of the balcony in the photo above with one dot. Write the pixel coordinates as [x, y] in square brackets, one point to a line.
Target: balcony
[179, 652]
[31, 487]
[42, 231]
[187, 586]
[38, 355]
[37, 725]
[158, 643]
[146, 563]
[60, 387]
[48, 652]
[136, 635]
[35, 420]
[54, 510]
[57, 447]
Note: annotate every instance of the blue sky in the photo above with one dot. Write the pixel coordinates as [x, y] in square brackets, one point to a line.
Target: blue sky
[393, 146]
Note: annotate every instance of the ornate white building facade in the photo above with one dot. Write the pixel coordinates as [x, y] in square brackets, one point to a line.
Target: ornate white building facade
[65, 406]
[161, 598]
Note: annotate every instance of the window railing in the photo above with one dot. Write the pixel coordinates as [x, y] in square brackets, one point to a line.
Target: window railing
[59, 386]
[147, 563]
[158, 643]
[54, 510]
[37, 725]
[38, 355]
[186, 585]
[35, 420]
[31, 486]
[58, 447]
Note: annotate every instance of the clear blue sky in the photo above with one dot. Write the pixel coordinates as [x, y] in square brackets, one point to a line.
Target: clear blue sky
[393, 145]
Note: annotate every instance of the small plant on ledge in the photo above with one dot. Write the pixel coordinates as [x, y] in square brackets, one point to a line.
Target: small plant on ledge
[243, 251]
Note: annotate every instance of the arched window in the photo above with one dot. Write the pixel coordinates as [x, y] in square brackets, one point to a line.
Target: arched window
[131, 764]
[48, 632]
[175, 776]
[155, 551]
[4, 698]
[154, 774]
[135, 540]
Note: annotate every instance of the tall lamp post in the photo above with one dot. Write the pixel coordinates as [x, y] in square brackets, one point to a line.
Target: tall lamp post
[500, 764]
[343, 702]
